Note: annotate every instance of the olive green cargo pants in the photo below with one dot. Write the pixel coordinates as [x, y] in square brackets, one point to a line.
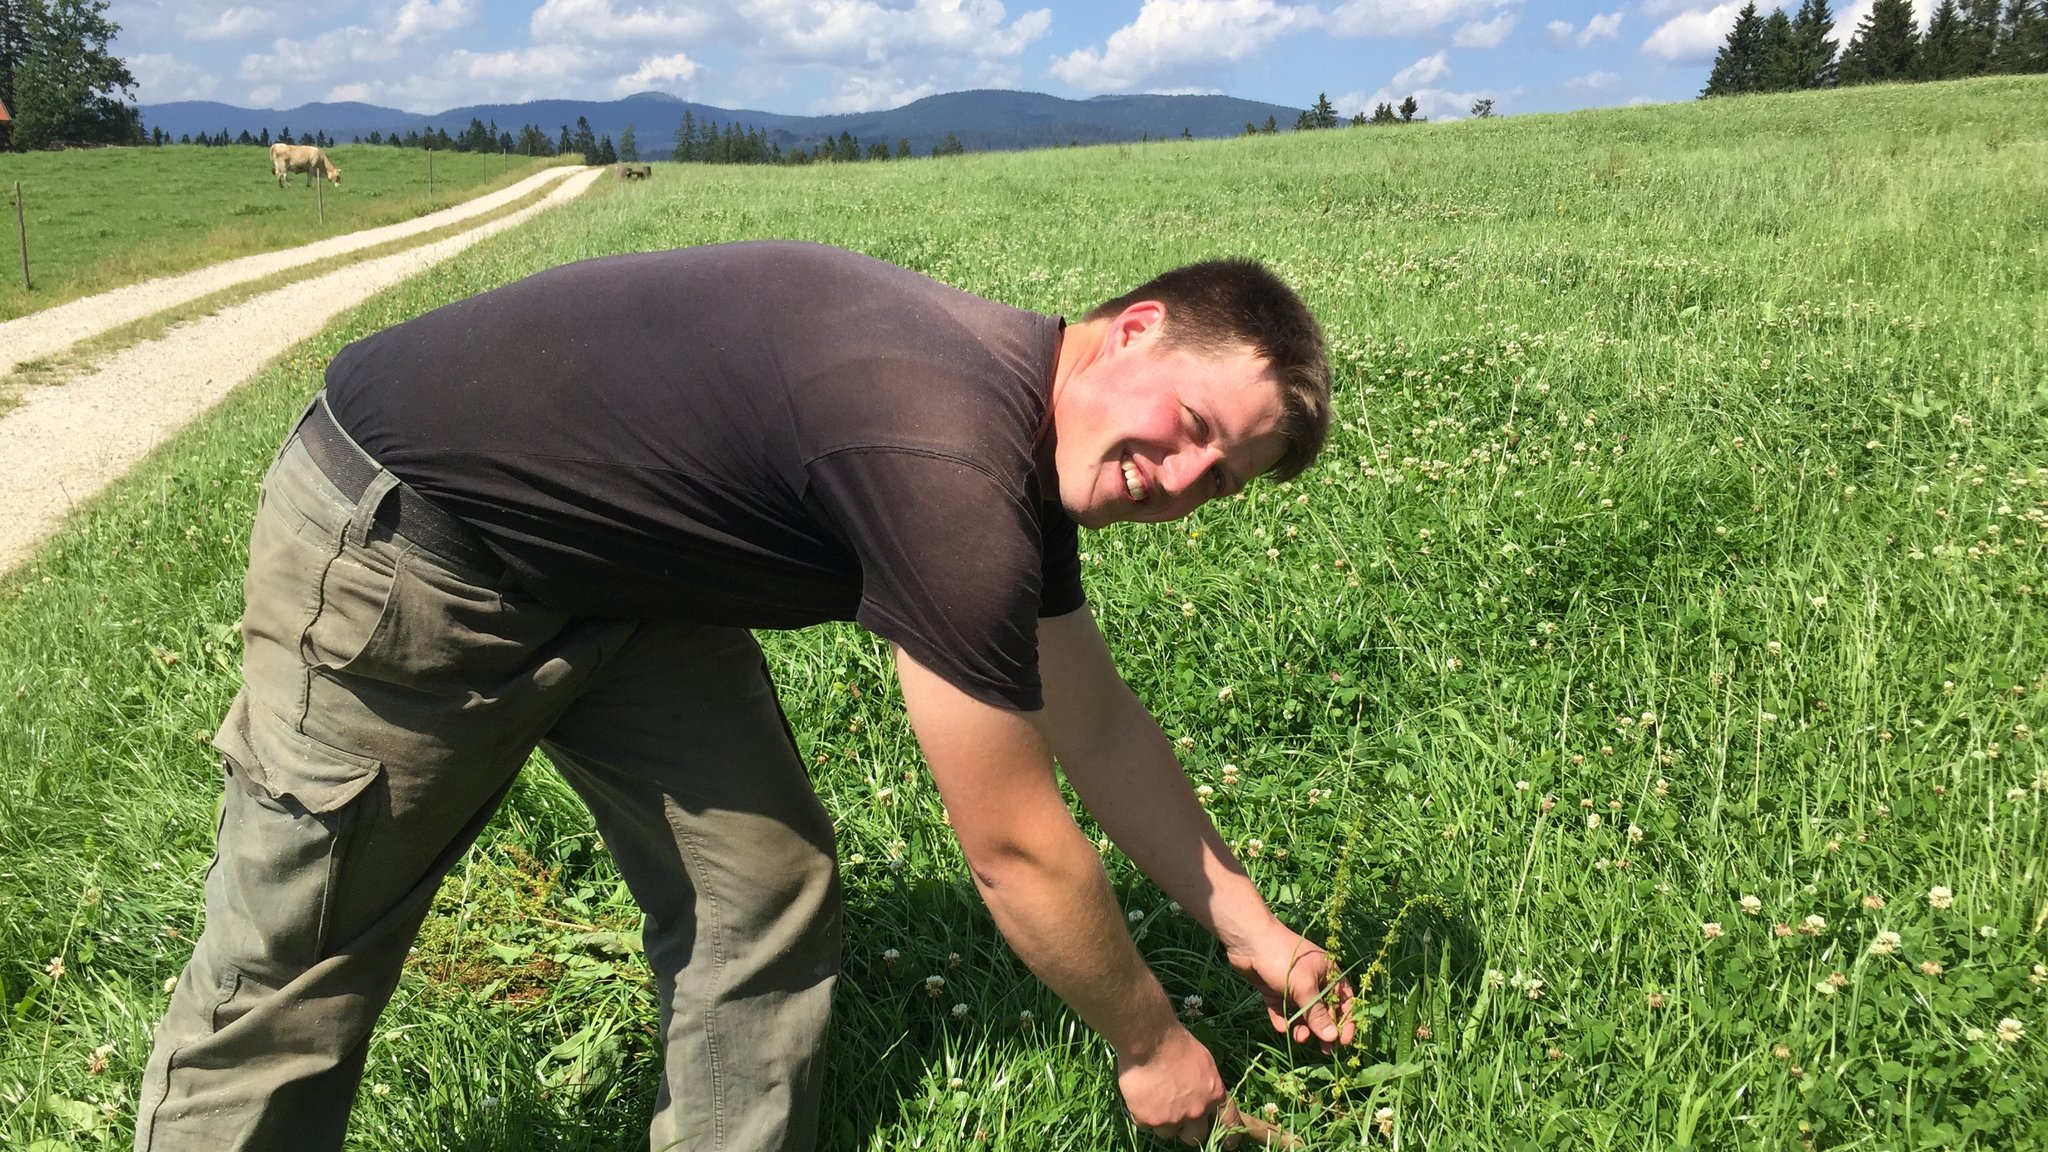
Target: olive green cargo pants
[390, 696]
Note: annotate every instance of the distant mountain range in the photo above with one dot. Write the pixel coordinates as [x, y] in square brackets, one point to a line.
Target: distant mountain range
[983, 120]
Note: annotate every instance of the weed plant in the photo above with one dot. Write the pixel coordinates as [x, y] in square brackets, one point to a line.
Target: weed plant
[101, 218]
[1642, 694]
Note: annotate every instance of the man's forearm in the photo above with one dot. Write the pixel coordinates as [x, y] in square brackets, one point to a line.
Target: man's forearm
[1053, 903]
[1134, 787]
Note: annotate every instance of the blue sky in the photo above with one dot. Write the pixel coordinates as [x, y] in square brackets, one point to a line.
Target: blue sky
[816, 56]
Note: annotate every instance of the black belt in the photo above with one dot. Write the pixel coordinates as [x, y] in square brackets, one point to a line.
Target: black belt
[408, 513]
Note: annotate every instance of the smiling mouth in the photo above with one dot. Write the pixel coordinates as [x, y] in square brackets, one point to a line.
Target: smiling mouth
[1132, 485]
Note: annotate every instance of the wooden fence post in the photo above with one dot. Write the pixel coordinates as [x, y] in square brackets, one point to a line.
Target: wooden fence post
[21, 237]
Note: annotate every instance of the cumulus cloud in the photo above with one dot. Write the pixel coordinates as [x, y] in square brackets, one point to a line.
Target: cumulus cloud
[1422, 72]
[161, 77]
[350, 94]
[577, 21]
[1171, 38]
[1693, 35]
[427, 18]
[859, 93]
[239, 23]
[657, 72]
[1486, 34]
[325, 55]
[1600, 27]
[1404, 17]
[263, 97]
[1593, 82]
[870, 32]
[540, 64]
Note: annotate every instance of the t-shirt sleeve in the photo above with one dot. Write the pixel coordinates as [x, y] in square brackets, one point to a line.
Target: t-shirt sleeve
[952, 565]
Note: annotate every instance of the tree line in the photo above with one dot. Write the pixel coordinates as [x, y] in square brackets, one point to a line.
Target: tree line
[707, 142]
[1781, 53]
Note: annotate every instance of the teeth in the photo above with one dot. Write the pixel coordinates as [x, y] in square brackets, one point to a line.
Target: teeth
[1131, 484]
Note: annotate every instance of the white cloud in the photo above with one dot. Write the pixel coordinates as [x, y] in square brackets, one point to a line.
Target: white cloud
[427, 18]
[1605, 27]
[1170, 38]
[349, 93]
[162, 77]
[873, 33]
[1422, 72]
[1692, 36]
[325, 55]
[542, 64]
[239, 23]
[859, 93]
[1560, 31]
[1404, 17]
[1593, 82]
[263, 97]
[657, 72]
[575, 21]
[1430, 103]
[1484, 35]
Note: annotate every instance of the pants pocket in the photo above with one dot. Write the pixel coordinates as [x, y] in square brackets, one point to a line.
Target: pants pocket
[289, 808]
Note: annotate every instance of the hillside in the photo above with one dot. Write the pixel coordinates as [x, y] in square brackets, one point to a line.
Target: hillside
[984, 120]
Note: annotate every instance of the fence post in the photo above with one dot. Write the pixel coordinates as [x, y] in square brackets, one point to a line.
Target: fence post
[21, 237]
[430, 173]
[320, 200]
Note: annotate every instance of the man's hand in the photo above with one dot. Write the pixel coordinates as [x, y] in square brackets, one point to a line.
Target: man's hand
[1175, 1092]
[1291, 975]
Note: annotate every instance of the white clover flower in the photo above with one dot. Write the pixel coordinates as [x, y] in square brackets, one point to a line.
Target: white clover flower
[1712, 930]
[955, 1083]
[1522, 785]
[1887, 942]
[1134, 915]
[2010, 1030]
[933, 985]
[1635, 834]
[1813, 925]
[1191, 1002]
[891, 955]
[1592, 820]
[1751, 905]
[1989, 932]
[1973, 1035]
[1025, 1017]
[960, 1011]
[1824, 988]
[1224, 694]
[1533, 989]
[1939, 896]
[1495, 978]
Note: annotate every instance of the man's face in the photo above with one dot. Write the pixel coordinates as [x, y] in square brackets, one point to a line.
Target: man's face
[1149, 433]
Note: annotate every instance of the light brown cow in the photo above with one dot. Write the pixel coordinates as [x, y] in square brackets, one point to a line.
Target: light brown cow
[288, 158]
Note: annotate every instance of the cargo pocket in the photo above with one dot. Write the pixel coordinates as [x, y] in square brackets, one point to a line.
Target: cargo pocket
[288, 813]
[355, 597]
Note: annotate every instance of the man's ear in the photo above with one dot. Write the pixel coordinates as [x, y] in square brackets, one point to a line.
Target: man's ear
[1135, 322]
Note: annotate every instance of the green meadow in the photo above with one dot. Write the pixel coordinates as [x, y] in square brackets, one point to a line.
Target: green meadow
[101, 218]
[1644, 695]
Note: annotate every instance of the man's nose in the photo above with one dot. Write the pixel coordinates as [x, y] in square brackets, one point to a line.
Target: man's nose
[1191, 468]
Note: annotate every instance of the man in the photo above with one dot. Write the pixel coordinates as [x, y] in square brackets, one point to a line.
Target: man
[549, 514]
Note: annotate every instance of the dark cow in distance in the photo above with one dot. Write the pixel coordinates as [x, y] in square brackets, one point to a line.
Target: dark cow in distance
[289, 158]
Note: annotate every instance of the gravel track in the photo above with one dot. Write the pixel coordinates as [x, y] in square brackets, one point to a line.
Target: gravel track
[64, 443]
[39, 334]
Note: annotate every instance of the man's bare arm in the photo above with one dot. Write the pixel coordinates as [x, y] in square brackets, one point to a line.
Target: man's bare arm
[1124, 770]
[1044, 884]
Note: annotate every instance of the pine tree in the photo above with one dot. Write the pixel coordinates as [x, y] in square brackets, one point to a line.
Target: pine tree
[263, 138]
[1738, 66]
[848, 149]
[564, 146]
[1813, 53]
[586, 140]
[606, 154]
[1774, 50]
[2023, 43]
[1324, 113]
[1272, 126]
[1383, 113]
[69, 88]
[1482, 108]
[1408, 109]
[629, 149]
[1980, 35]
[1358, 119]
[1882, 49]
[903, 148]
[948, 145]
[1940, 54]
[685, 146]
[1303, 121]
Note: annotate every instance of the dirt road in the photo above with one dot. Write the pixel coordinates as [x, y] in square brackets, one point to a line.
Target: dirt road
[64, 443]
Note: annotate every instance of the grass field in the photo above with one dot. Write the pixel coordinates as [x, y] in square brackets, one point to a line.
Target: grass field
[1662, 632]
[103, 218]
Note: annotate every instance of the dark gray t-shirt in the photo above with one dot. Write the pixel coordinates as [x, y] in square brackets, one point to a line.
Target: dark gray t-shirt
[766, 435]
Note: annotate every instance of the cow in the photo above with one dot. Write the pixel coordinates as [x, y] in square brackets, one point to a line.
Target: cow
[288, 158]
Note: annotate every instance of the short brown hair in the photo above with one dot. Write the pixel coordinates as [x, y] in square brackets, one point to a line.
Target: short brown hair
[1218, 305]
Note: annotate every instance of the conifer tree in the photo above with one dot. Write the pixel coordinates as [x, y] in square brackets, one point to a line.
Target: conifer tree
[629, 149]
[1408, 109]
[1482, 108]
[1882, 49]
[586, 140]
[606, 154]
[1271, 127]
[1738, 66]
[1383, 113]
[903, 148]
[563, 146]
[1941, 53]
[2023, 42]
[1774, 52]
[1323, 114]
[1813, 53]
[1979, 40]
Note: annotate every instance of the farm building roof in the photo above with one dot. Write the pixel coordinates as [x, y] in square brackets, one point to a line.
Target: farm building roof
[3, 113]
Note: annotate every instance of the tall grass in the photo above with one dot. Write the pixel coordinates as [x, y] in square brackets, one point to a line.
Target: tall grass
[101, 218]
[1663, 630]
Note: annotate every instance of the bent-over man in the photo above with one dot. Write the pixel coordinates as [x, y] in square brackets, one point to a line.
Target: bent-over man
[550, 514]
